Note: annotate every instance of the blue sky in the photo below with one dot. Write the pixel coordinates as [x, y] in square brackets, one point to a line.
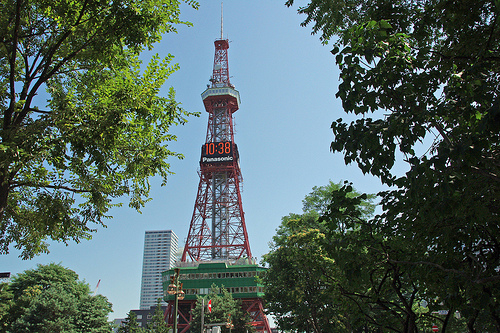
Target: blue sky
[287, 82]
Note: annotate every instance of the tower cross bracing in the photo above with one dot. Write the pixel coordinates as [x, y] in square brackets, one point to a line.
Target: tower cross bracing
[217, 248]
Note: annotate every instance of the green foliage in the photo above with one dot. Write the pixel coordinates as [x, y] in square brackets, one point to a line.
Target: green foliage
[298, 289]
[385, 293]
[304, 283]
[224, 309]
[130, 325]
[337, 272]
[52, 299]
[104, 130]
[158, 323]
[423, 79]
[320, 197]
[5, 304]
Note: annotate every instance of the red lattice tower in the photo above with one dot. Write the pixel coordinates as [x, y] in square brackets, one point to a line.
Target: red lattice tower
[217, 229]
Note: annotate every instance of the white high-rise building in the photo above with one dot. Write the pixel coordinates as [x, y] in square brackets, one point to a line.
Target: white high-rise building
[160, 248]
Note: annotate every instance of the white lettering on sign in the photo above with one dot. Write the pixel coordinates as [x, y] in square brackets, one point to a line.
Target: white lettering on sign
[216, 159]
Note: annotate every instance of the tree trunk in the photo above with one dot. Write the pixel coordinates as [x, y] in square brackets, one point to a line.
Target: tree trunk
[447, 320]
[4, 193]
[471, 322]
[411, 325]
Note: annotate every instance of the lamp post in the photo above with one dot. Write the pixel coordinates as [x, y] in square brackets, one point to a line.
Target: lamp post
[175, 288]
[229, 323]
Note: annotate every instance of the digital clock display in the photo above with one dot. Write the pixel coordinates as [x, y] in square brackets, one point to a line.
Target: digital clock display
[212, 152]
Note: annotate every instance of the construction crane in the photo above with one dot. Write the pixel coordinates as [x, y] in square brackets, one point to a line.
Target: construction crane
[96, 287]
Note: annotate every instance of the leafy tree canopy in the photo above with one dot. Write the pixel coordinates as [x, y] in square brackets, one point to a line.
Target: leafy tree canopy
[224, 309]
[130, 325]
[50, 298]
[320, 199]
[337, 272]
[103, 130]
[158, 323]
[423, 79]
[301, 283]
[5, 303]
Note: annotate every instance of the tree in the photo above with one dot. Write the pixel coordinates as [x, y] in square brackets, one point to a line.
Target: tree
[338, 272]
[384, 293]
[298, 292]
[224, 309]
[302, 281]
[103, 131]
[50, 298]
[5, 303]
[130, 325]
[319, 200]
[158, 323]
[423, 79]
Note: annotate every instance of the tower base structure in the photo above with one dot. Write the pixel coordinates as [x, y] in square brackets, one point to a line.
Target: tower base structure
[239, 278]
[184, 315]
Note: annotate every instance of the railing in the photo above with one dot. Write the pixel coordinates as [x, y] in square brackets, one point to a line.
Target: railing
[221, 92]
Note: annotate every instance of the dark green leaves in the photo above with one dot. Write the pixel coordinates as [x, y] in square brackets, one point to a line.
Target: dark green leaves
[130, 325]
[423, 79]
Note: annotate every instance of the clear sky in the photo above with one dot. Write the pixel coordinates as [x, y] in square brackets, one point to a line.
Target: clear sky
[287, 82]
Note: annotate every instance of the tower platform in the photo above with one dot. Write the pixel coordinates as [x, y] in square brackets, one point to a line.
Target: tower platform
[238, 278]
[197, 278]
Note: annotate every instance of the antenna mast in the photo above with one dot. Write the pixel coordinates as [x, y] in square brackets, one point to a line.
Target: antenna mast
[218, 230]
[217, 242]
[221, 21]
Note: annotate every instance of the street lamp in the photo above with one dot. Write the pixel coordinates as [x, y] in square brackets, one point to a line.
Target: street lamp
[229, 323]
[175, 288]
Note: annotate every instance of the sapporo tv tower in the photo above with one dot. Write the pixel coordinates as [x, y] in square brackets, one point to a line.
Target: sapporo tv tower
[217, 251]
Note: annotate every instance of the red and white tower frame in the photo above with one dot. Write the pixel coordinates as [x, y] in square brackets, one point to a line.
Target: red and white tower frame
[217, 229]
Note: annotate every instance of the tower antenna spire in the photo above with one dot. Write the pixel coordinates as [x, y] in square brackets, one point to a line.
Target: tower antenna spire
[217, 236]
[221, 21]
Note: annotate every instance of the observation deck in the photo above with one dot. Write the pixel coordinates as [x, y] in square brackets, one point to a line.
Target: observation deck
[215, 93]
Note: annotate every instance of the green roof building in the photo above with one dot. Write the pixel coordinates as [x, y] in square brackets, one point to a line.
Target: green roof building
[239, 279]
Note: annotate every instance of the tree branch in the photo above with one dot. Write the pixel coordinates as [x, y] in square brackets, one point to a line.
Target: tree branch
[39, 111]
[47, 60]
[426, 263]
[486, 173]
[54, 187]
[12, 66]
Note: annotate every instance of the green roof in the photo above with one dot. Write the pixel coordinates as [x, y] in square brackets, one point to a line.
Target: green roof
[240, 280]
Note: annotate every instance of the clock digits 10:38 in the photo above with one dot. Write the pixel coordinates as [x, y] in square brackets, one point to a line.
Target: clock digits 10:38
[217, 152]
